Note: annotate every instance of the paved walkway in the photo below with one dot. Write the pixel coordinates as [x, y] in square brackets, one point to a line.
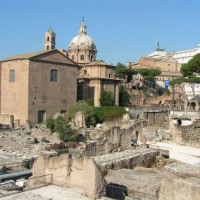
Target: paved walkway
[181, 153]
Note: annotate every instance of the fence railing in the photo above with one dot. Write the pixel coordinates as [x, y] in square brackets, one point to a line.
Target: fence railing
[12, 187]
[17, 166]
[38, 181]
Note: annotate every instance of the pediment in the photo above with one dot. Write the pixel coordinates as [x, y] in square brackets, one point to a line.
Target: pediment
[54, 56]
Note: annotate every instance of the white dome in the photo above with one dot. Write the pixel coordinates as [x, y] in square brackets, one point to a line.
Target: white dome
[82, 40]
[157, 54]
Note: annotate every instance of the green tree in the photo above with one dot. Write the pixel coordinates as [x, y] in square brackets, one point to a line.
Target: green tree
[123, 72]
[124, 96]
[185, 70]
[192, 66]
[149, 74]
[107, 98]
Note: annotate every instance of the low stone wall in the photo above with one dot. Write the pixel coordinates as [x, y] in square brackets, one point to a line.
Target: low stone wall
[82, 173]
[146, 159]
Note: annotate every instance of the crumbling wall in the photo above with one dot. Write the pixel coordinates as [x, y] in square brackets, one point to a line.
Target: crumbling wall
[86, 175]
[186, 135]
[156, 118]
[82, 173]
[113, 139]
[147, 159]
[49, 163]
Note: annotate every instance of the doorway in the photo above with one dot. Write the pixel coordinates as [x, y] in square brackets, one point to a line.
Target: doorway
[41, 116]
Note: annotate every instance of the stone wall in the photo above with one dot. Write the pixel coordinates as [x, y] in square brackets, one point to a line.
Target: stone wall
[146, 159]
[155, 118]
[113, 139]
[81, 173]
[186, 135]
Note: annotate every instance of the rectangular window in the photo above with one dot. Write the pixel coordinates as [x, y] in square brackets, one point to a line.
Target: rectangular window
[12, 75]
[54, 75]
[82, 57]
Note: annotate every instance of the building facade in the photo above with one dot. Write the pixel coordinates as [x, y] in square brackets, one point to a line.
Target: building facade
[94, 78]
[169, 67]
[184, 56]
[36, 86]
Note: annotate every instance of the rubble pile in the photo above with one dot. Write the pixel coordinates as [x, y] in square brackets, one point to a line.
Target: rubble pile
[19, 145]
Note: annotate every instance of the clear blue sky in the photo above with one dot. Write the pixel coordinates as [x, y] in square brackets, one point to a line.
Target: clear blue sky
[123, 30]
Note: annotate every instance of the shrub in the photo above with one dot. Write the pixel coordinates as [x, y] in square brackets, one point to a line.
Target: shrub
[56, 146]
[50, 124]
[84, 107]
[63, 128]
[67, 134]
[108, 113]
[90, 102]
[107, 98]
[58, 123]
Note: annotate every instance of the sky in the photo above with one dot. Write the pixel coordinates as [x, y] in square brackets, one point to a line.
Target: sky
[123, 30]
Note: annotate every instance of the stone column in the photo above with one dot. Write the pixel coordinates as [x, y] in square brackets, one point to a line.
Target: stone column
[97, 93]
[117, 94]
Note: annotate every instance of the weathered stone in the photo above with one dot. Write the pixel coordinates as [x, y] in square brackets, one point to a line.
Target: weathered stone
[31, 140]
[80, 173]
[180, 182]
[79, 119]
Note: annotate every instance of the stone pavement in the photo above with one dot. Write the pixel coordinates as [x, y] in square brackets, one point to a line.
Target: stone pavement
[186, 154]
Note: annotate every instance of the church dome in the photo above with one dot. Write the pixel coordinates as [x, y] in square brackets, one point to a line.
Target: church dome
[82, 41]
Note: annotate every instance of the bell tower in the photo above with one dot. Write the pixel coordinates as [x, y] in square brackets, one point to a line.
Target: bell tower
[50, 40]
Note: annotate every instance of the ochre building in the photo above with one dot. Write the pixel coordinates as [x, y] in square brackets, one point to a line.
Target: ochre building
[94, 76]
[37, 86]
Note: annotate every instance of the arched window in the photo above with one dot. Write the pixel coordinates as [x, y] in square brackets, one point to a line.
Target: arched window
[54, 75]
[48, 38]
[12, 75]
